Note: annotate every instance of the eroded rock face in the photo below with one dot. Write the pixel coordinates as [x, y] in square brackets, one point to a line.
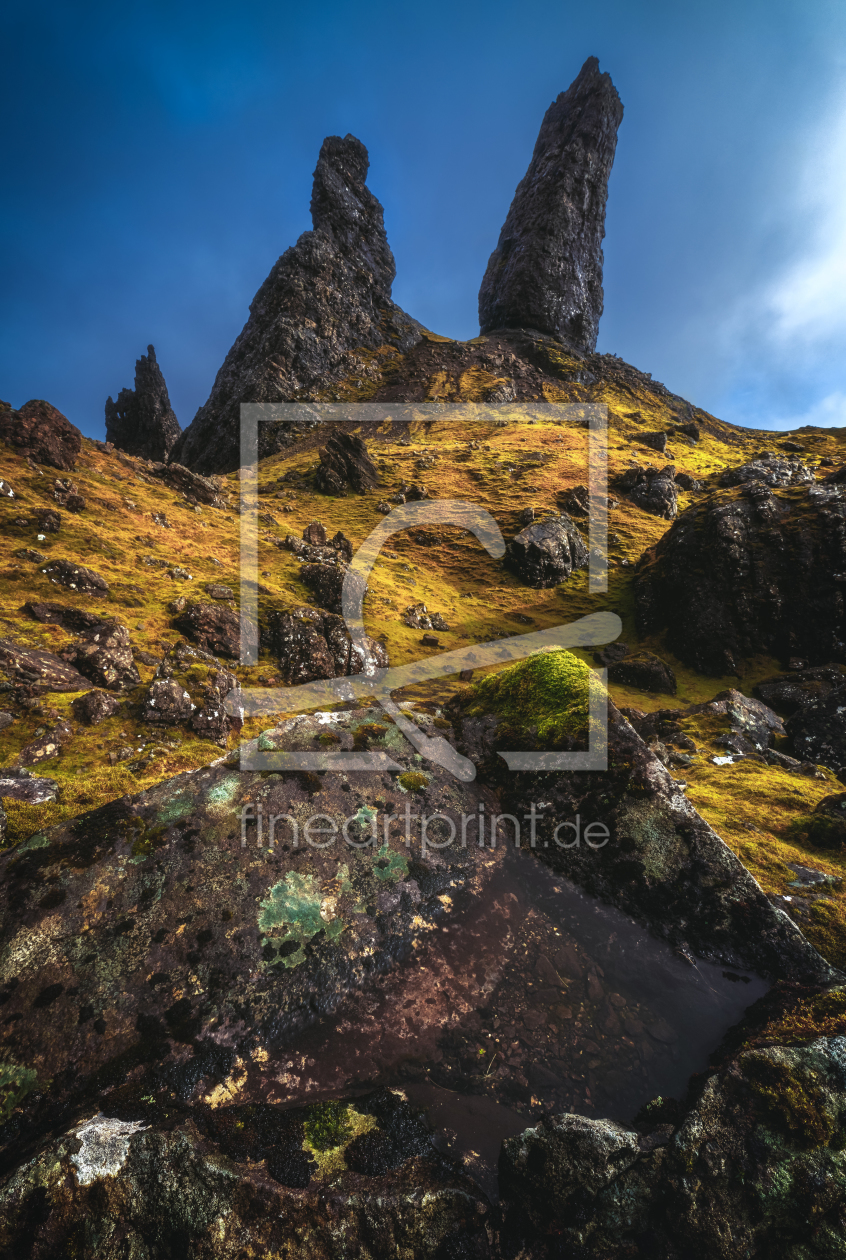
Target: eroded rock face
[104, 655]
[345, 463]
[660, 861]
[705, 1185]
[818, 731]
[41, 431]
[757, 571]
[547, 552]
[195, 488]
[546, 271]
[142, 421]
[326, 297]
[656, 492]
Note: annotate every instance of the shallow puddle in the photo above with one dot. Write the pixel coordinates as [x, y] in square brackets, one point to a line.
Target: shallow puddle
[534, 998]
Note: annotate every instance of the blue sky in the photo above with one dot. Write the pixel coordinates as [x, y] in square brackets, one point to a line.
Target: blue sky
[157, 158]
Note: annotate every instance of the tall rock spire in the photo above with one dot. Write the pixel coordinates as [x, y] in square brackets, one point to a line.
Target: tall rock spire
[326, 297]
[142, 422]
[546, 271]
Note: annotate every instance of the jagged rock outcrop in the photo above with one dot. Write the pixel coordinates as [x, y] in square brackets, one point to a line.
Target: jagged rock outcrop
[40, 431]
[750, 571]
[326, 297]
[142, 422]
[104, 655]
[818, 731]
[191, 688]
[344, 462]
[546, 271]
[313, 644]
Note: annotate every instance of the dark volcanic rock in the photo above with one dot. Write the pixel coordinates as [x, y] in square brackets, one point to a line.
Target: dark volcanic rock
[754, 572]
[195, 488]
[652, 490]
[30, 665]
[74, 576]
[42, 432]
[213, 627]
[344, 462]
[142, 422]
[167, 703]
[191, 688]
[20, 785]
[770, 1111]
[327, 297]
[546, 271]
[95, 706]
[659, 860]
[326, 582]
[77, 619]
[771, 469]
[645, 671]
[104, 654]
[547, 552]
[312, 644]
[576, 502]
[655, 441]
[818, 731]
[789, 692]
[47, 521]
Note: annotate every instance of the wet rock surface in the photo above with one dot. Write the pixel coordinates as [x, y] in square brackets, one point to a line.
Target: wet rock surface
[742, 574]
[546, 552]
[40, 431]
[327, 297]
[546, 271]
[142, 421]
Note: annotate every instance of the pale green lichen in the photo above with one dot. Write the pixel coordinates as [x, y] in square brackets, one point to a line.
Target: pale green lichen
[390, 865]
[293, 908]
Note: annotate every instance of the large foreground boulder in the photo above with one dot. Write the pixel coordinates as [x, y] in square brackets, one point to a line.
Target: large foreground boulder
[142, 421]
[546, 271]
[40, 431]
[754, 1167]
[628, 835]
[327, 297]
[750, 572]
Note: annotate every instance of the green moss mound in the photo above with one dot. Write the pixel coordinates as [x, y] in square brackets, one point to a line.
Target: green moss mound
[549, 693]
[328, 1125]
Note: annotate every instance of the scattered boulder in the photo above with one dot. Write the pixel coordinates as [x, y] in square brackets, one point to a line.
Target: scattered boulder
[31, 665]
[526, 516]
[69, 618]
[104, 654]
[771, 470]
[688, 482]
[45, 747]
[213, 627]
[749, 572]
[326, 582]
[787, 693]
[142, 422]
[6, 491]
[40, 431]
[345, 464]
[655, 441]
[546, 271]
[47, 521]
[652, 490]
[326, 299]
[191, 688]
[547, 552]
[167, 703]
[95, 706]
[419, 618]
[22, 785]
[196, 489]
[311, 644]
[75, 576]
[754, 724]
[217, 591]
[411, 492]
[818, 731]
[576, 502]
[315, 534]
[645, 671]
